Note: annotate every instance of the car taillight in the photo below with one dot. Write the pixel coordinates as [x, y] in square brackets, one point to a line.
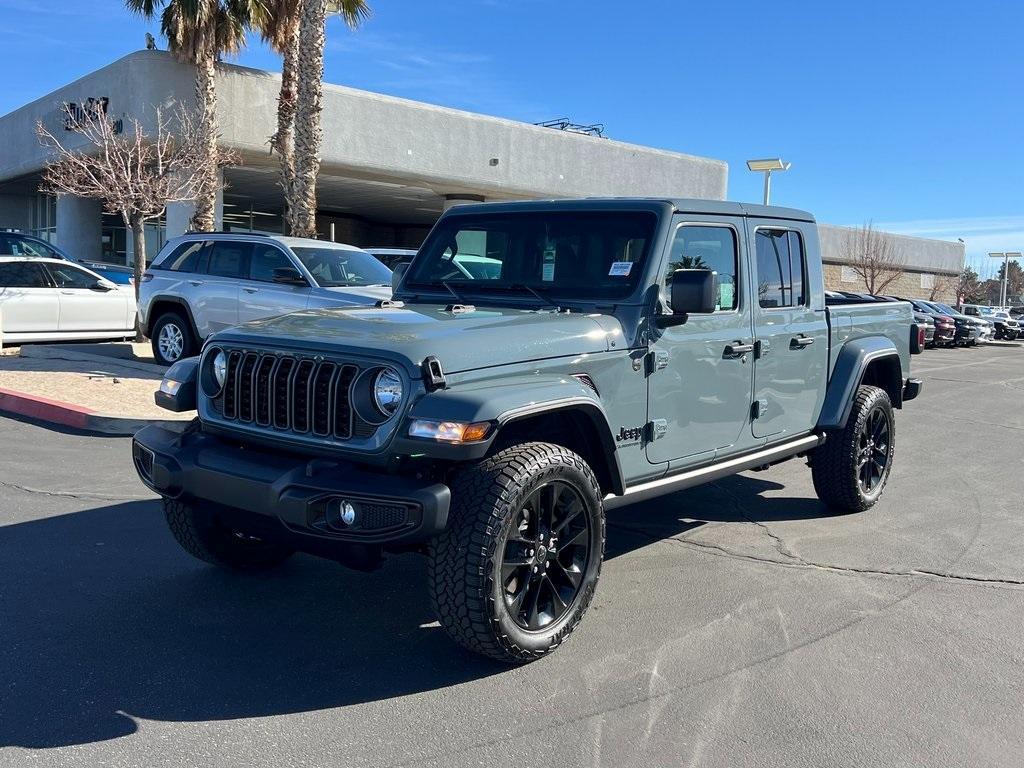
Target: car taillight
[920, 336]
[147, 276]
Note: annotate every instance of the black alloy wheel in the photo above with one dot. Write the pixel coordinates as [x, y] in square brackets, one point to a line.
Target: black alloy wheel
[873, 457]
[545, 556]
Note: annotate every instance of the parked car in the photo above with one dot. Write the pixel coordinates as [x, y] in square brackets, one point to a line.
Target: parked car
[44, 299]
[980, 330]
[494, 430]
[392, 257]
[20, 244]
[946, 328]
[1006, 326]
[202, 283]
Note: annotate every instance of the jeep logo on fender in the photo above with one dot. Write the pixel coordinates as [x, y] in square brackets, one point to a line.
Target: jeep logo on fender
[629, 435]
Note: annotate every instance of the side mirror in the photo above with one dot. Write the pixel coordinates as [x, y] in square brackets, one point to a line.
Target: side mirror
[694, 292]
[102, 286]
[289, 276]
[398, 274]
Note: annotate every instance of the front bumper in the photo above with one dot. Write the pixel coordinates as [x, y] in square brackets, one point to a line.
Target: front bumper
[290, 495]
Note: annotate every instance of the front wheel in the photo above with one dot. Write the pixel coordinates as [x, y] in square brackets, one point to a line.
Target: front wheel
[517, 566]
[850, 470]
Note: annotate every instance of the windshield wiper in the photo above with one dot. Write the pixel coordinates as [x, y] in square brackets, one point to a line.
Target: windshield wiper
[453, 292]
[545, 299]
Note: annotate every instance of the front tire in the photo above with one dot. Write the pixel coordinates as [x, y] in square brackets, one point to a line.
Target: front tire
[515, 570]
[850, 470]
[204, 536]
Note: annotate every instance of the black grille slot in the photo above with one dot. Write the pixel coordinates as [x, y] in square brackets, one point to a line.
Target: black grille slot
[342, 409]
[230, 386]
[262, 390]
[279, 396]
[321, 400]
[291, 394]
[245, 385]
[301, 384]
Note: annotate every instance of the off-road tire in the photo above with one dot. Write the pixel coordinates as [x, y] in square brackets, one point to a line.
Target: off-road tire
[189, 345]
[465, 561]
[205, 537]
[834, 465]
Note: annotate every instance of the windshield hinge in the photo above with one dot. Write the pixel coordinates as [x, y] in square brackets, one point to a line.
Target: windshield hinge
[457, 309]
[388, 303]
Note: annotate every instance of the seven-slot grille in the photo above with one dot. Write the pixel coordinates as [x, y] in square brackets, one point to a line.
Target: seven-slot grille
[288, 393]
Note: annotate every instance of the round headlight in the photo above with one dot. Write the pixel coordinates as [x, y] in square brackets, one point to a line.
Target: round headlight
[387, 391]
[220, 368]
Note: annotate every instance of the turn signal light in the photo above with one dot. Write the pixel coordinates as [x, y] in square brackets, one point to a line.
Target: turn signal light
[450, 431]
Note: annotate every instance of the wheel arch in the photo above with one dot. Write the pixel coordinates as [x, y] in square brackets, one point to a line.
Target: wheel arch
[162, 304]
[555, 409]
[874, 361]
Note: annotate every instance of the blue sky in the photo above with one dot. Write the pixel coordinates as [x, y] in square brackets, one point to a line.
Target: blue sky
[908, 114]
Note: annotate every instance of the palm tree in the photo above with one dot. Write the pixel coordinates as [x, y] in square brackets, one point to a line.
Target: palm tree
[199, 32]
[281, 32]
[308, 105]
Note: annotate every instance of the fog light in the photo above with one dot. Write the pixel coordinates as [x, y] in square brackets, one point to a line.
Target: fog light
[341, 513]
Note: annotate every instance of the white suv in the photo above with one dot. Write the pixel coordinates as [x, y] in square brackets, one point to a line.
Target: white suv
[204, 282]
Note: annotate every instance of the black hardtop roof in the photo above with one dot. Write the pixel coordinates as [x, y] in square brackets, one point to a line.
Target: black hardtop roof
[677, 205]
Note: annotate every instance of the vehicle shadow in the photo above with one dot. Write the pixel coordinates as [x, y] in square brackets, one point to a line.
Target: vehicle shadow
[737, 499]
[105, 619]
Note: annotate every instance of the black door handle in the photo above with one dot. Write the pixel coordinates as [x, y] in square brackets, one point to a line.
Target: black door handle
[738, 350]
[800, 341]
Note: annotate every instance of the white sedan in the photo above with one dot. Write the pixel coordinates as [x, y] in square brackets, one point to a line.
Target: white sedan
[55, 300]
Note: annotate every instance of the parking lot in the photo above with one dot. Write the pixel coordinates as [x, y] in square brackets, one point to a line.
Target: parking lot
[736, 624]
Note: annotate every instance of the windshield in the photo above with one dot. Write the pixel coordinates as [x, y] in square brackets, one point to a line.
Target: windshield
[588, 256]
[337, 267]
[946, 308]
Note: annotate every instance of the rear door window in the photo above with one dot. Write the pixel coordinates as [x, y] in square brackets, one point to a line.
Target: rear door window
[23, 274]
[230, 259]
[780, 268]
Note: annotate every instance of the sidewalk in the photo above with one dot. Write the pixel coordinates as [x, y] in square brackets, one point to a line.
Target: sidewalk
[96, 387]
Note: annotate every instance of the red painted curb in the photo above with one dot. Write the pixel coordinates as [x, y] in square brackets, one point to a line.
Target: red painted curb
[43, 408]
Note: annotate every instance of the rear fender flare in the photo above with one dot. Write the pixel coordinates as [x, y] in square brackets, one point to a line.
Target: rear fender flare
[855, 359]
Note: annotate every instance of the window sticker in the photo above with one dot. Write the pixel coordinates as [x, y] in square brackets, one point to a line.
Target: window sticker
[548, 269]
[620, 268]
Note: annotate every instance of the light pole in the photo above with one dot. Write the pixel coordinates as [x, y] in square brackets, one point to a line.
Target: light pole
[1006, 273]
[766, 167]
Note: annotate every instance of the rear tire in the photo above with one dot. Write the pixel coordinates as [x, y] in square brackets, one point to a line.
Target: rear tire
[172, 339]
[205, 537]
[516, 568]
[850, 470]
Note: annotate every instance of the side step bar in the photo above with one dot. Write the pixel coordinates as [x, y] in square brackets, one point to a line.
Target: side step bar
[712, 472]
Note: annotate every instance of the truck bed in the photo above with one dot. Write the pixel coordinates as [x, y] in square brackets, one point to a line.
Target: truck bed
[854, 320]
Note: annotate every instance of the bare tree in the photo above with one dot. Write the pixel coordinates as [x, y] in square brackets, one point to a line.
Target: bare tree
[941, 285]
[874, 257]
[135, 174]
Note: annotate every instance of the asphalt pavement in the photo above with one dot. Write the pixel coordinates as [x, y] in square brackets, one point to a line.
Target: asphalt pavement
[738, 624]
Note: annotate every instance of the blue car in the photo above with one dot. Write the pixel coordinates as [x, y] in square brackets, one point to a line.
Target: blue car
[18, 244]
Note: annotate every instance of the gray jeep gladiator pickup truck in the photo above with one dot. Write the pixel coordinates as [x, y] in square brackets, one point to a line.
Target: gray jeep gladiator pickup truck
[539, 364]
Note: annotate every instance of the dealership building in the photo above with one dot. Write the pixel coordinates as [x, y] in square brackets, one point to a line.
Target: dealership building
[389, 168]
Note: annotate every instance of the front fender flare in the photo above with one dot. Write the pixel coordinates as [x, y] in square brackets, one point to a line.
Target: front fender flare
[504, 403]
[854, 359]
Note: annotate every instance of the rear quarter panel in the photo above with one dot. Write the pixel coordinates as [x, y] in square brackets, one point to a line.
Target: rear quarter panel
[857, 321]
